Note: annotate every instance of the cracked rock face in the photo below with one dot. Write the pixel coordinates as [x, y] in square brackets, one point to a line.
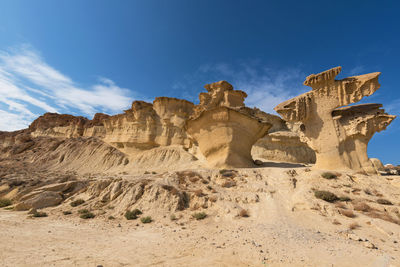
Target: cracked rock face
[224, 128]
[338, 135]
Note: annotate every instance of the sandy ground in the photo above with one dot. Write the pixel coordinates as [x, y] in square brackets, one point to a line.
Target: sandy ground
[287, 226]
[282, 241]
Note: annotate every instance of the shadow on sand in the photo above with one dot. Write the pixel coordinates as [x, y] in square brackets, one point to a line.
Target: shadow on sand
[266, 164]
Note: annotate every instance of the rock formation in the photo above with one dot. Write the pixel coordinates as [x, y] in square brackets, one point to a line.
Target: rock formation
[224, 128]
[155, 133]
[339, 136]
[143, 126]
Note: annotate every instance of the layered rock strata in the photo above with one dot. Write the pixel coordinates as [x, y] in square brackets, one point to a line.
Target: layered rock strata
[159, 128]
[143, 126]
[339, 136]
[224, 128]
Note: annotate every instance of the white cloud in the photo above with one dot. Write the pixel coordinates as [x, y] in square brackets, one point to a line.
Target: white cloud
[27, 81]
[12, 121]
[357, 70]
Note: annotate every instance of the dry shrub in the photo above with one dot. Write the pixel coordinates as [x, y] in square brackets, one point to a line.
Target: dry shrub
[170, 188]
[367, 191]
[228, 183]
[132, 215]
[384, 201]
[198, 193]
[344, 198]
[362, 206]
[4, 202]
[77, 202]
[228, 173]
[146, 219]
[376, 193]
[383, 216]
[87, 215]
[188, 175]
[199, 215]
[326, 195]
[39, 214]
[347, 213]
[244, 213]
[340, 205]
[213, 198]
[354, 225]
[329, 175]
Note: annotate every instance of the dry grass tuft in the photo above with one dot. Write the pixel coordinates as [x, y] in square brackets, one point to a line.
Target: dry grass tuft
[329, 175]
[199, 215]
[354, 225]
[244, 213]
[77, 202]
[326, 195]
[132, 215]
[362, 206]
[340, 205]
[4, 202]
[213, 198]
[198, 193]
[383, 216]
[384, 201]
[146, 219]
[228, 183]
[347, 213]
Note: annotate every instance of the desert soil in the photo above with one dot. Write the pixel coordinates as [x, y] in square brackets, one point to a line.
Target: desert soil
[284, 229]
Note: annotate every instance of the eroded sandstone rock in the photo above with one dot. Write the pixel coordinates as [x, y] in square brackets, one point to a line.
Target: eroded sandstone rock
[339, 136]
[224, 128]
[143, 126]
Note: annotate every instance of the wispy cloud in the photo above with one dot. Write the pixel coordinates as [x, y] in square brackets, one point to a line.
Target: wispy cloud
[357, 70]
[266, 87]
[28, 83]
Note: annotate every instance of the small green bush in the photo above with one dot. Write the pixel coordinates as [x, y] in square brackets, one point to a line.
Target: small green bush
[146, 219]
[344, 199]
[199, 215]
[329, 175]
[227, 173]
[173, 217]
[132, 215]
[87, 215]
[67, 212]
[4, 202]
[39, 214]
[111, 217]
[83, 211]
[77, 202]
[326, 195]
[384, 201]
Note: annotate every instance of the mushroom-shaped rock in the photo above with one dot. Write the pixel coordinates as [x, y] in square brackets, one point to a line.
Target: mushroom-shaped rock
[224, 128]
[339, 136]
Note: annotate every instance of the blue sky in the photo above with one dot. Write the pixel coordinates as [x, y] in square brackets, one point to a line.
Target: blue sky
[82, 57]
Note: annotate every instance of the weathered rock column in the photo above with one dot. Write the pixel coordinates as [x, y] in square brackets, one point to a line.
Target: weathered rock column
[339, 136]
[224, 128]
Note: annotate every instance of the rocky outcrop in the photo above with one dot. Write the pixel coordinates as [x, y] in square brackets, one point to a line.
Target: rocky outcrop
[143, 126]
[224, 128]
[339, 136]
[283, 146]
